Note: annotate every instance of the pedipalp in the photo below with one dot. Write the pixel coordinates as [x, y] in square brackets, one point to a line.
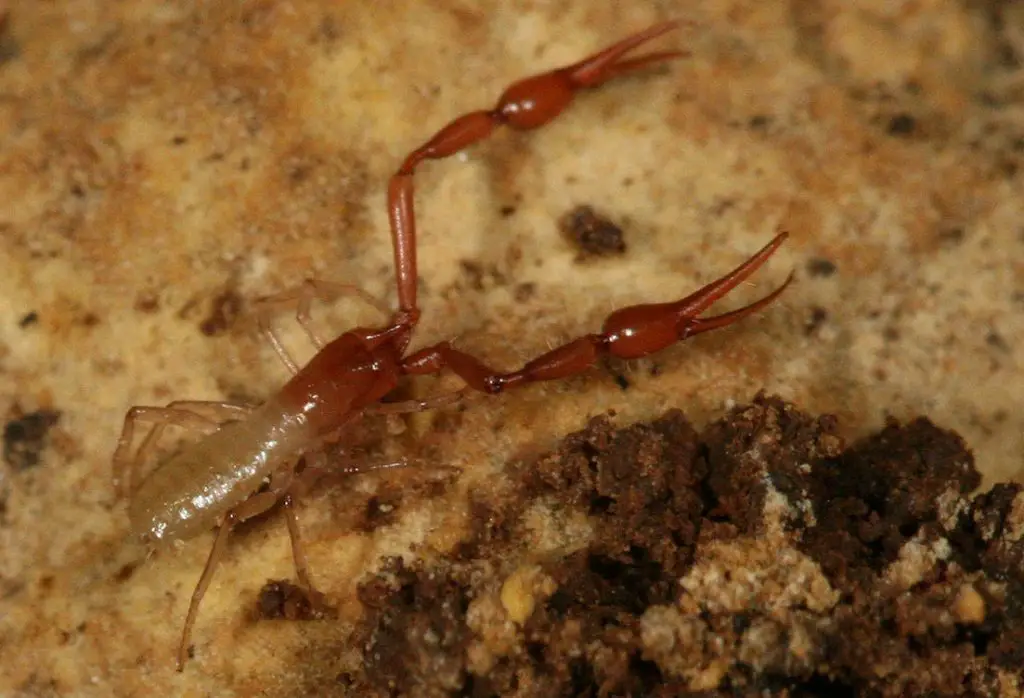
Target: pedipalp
[524, 105]
[628, 333]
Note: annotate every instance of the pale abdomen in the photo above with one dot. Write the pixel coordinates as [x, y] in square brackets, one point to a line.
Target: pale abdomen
[187, 494]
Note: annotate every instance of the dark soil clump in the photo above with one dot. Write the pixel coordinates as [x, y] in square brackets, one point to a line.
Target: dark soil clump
[280, 599]
[592, 234]
[26, 436]
[762, 557]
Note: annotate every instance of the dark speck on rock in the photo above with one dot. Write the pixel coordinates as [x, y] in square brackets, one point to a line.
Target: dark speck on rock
[25, 438]
[902, 125]
[821, 267]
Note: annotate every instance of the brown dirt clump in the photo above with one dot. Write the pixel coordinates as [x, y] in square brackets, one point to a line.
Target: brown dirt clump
[280, 599]
[592, 234]
[760, 557]
[26, 436]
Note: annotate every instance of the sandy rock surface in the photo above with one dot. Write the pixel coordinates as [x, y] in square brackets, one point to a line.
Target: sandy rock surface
[163, 165]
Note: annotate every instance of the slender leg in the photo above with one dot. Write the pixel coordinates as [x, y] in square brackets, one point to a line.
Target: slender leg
[125, 464]
[302, 296]
[213, 409]
[298, 551]
[526, 104]
[254, 506]
[284, 486]
[407, 406]
[195, 415]
[216, 553]
[316, 472]
[628, 333]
